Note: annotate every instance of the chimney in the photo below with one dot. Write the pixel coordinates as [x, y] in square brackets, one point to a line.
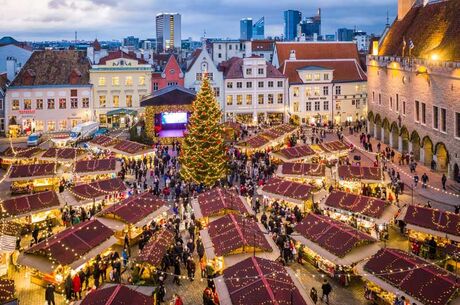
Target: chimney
[292, 55]
[28, 78]
[404, 6]
[10, 68]
[74, 77]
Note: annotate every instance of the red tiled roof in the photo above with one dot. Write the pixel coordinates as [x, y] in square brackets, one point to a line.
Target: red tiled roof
[349, 172]
[233, 232]
[98, 165]
[156, 248]
[433, 219]
[426, 282]
[116, 295]
[135, 208]
[262, 45]
[344, 70]
[30, 203]
[364, 205]
[98, 188]
[433, 28]
[81, 238]
[233, 69]
[288, 189]
[21, 152]
[260, 281]
[316, 50]
[62, 153]
[334, 236]
[130, 147]
[103, 141]
[303, 169]
[32, 170]
[120, 54]
[296, 152]
[218, 200]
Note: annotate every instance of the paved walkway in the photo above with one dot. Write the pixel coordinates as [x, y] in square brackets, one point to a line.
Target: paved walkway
[434, 190]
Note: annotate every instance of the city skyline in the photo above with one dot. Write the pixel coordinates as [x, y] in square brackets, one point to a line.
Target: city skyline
[113, 19]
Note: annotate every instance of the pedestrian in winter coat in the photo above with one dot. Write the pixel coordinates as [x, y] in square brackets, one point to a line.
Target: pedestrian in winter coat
[68, 288]
[76, 284]
[49, 294]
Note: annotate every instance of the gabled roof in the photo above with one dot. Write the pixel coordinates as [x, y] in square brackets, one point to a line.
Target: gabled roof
[171, 95]
[52, 67]
[194, 57]
[433, 28]
[316, 50]
[233, 68]
[116, 295]
[3, 82]
[345, 70]
[120, 54]
[96, 45]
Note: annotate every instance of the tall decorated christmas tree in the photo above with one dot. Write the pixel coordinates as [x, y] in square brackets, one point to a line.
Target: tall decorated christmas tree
[203, 158]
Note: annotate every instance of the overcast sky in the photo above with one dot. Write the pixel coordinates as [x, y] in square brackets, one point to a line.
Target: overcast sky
[115, 19]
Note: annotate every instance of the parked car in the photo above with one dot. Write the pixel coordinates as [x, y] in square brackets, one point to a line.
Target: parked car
[34, 139]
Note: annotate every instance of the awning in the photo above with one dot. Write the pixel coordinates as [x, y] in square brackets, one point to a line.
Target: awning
[121, 111]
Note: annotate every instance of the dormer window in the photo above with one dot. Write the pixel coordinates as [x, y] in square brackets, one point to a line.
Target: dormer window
[260, 71]
[204, 67]
[317, 76]
[326, 76]
[308, 77]
[248, 71]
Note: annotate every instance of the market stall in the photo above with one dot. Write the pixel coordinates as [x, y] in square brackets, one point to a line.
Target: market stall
[289, 192]
[102, 142]
[232, 238]
[424, 223]
[70, 250]
[302, 153]
[98, 192]
[33, 178]
[96, 169]
[260, 281]
[219, 202]
[333, 247]
[154, 251]
[130, 215]
[268, 139]
[107, 294]
[367, 214]
[390, 273]
[41, 209]
[9, 234]
[122, 148]
[63, 155]
[310, 173]
[7, 292]
[331, 150]
[19, 155]
[232, 130]
[364, 180]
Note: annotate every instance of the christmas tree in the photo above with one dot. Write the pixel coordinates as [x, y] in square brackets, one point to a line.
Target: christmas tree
[203, 158]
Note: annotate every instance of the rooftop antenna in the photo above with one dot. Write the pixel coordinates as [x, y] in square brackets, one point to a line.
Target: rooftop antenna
[76, 36]
[388, 19]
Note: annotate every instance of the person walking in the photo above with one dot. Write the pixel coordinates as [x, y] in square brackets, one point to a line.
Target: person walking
[327, 289]
[425, 179]
[76, 287]
[443, 181]
[49, 294]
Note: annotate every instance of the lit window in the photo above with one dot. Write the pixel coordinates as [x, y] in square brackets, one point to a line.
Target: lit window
[129, 101]
[51, 126]
[249, 99]
[73, 103]
[101, 81]
[85, 102]
[316, 91]
[116, 101]
[102, 101]
[39, 104]
[229, 100]
[239, 99]
[115, 81]
[270, 98]
[317, 76]
[296, 107]
[296, 91]
[129, 81]
[307, 91]
[62, 124]
[27, 104]
[326, 76]
[308, 77]
[260, 99]
[141, 80]
[62, 103]
[15, 105]
[51, 103]
[280, 98]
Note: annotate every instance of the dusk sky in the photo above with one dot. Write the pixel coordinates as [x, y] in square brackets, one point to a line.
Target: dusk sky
[115, 19]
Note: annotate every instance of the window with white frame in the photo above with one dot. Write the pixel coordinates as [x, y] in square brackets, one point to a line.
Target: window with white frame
[280, 98]
[51, 103]
[260, 99]
[249, 99]
[270, 98]
[338, 90]
[73, 103]
[326, 106]
[27, 104]
[308, 106]
[62, 103]
[317, 106]
[248, 85]
[85, 102]
[115, 81]
[39, 104]
[325, 90]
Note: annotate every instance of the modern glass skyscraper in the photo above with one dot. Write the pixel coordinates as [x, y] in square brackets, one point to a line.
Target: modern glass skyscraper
[168, 31]
[344, 34]
[311, 26]
[291, 21]
[246, 29]
[258, 29]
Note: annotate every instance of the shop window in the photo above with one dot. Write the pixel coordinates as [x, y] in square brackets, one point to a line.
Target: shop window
[129, 101]
[249, 99]
[51, 126]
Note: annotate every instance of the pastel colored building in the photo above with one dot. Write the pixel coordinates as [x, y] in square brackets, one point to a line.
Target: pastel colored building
[169, 75]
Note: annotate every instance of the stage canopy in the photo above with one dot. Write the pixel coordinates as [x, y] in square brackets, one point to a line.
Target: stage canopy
[156, 248]
[333, 236]
[217, 202]
[26, 205]
[171, 95]
[116, 295]
[360, 173]
[258, 281]
[421, 280]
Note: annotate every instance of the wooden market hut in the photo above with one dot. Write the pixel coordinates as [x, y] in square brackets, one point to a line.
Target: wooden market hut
[230, 239]
[116, 295]
[257, 280]
[52, 259]
[96, 169]
[301, 153]
[369, 214]
[154, 251]
[102, 142]
[331, 150]
[391, 272]
[19, 155]
[89, 193]
[131, 214]
[33, 177]
[219, 202]
[332, 246]
[303, 172]
[353, 178]
[273, 137]
[63, 155]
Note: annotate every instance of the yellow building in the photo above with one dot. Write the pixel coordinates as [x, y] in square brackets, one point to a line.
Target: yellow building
[120, 80]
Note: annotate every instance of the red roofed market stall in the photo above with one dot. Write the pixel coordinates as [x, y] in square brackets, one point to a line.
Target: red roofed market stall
[218, 202]
[331, 150]
[63, 155]
[311, 173]
[355, 178]
[33, 178]
[122, 148]
[116, 295]
[19, 155]
[368, 214]
[96, 169]
[392, 272]
[260, 281]
[52, 259]
[232, 238]
[131, 214]
[295, 154]
[268, 139]
[332, 246]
